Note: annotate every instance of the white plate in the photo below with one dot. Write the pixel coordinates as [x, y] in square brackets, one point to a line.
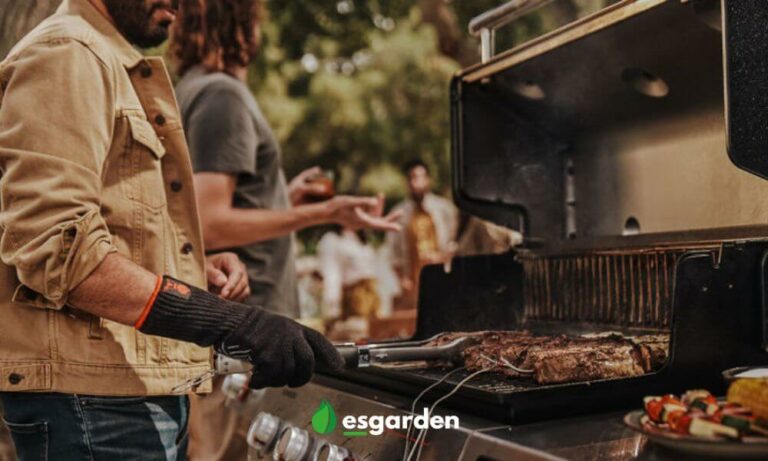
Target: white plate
[713, 447]
[733, 374]
[761, 373]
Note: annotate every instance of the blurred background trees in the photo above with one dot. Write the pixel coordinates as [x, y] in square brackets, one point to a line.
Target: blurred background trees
[362, 86]
[359, 86]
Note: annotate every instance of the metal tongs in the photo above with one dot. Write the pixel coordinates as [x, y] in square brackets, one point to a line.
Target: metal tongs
[365, 355]
[355, 356]
[362, 356]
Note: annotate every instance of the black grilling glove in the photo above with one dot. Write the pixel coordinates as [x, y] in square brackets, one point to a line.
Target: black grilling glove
[282, 351]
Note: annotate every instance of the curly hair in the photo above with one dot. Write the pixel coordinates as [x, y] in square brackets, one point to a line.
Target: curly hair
[225, 29]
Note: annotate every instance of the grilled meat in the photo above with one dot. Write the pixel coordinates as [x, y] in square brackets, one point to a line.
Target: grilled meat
[654, 348]
[585, 361]
[561, 358]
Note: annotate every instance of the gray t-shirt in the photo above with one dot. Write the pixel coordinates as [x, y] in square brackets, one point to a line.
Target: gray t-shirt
[227, 133]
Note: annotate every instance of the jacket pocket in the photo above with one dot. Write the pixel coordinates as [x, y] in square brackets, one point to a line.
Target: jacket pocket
[141, 166]
[31, 440]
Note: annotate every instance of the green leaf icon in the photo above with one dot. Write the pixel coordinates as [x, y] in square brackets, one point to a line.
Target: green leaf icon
[324, 419]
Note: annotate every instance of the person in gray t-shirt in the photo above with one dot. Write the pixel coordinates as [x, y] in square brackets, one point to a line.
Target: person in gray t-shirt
[245, 203]
[231, 144]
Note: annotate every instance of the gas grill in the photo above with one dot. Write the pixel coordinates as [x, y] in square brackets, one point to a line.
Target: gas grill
[609, 153]
[630, 150]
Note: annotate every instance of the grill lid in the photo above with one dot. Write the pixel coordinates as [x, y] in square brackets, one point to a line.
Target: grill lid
[618, 125]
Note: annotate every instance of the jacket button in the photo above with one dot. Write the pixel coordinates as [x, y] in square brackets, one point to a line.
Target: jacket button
[187, 248]
[176, 186]
[146, 71]
[15, 378]
[159, 119]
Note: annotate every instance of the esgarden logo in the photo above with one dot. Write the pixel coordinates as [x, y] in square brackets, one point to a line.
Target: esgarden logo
[324, 422]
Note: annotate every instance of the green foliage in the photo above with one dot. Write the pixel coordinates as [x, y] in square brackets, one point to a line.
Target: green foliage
[345, 22]
[370, 112]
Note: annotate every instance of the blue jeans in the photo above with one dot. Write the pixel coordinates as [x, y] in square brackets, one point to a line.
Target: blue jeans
[78, 428]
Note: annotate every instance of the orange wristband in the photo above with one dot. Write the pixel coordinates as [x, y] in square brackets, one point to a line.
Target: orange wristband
[150, 302]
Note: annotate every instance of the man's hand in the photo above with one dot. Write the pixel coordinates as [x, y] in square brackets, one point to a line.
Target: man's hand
[302, 186]
[282, 351]
[362, 213]
[227, 276]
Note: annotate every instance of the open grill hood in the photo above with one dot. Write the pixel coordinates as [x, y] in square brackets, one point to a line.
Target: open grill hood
[648, 117]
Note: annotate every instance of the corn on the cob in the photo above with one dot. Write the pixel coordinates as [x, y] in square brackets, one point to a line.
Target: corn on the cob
[752, 393]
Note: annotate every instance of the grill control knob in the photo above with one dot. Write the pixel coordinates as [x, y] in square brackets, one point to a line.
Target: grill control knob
[294, 445]
[331, 452]
[263, 433]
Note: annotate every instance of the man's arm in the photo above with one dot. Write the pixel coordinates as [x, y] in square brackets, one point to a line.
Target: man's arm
[225, 226]
[283, 351]
[118, 290]
[222, 144]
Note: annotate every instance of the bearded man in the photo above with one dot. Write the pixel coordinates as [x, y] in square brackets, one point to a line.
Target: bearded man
[103, 310]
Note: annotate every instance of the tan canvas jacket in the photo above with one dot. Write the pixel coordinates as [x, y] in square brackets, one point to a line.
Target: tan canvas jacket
[93, 161]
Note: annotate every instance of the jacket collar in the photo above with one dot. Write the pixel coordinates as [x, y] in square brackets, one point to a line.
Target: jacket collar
[126, 53]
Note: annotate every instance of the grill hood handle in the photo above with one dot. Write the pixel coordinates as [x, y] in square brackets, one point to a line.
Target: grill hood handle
[485, 25]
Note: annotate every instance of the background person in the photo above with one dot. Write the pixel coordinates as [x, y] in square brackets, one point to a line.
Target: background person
[246, 204]
[429, 231]
[350, 283]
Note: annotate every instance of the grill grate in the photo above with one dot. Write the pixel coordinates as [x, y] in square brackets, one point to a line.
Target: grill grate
[629, 288]
[493, 383]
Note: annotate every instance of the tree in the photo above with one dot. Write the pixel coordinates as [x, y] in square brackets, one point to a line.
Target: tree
[386, 105]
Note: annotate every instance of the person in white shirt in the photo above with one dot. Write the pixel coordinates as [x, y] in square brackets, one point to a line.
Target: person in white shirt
[348, 265]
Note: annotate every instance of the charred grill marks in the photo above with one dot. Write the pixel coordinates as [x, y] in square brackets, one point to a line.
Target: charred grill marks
[561, 358]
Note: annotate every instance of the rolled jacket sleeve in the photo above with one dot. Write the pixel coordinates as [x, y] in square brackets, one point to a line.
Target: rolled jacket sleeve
[56, 122]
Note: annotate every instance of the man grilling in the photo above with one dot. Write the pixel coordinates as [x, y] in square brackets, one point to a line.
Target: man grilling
[102, 307]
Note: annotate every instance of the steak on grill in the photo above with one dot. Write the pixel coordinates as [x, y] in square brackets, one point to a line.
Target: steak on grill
[561, 358]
